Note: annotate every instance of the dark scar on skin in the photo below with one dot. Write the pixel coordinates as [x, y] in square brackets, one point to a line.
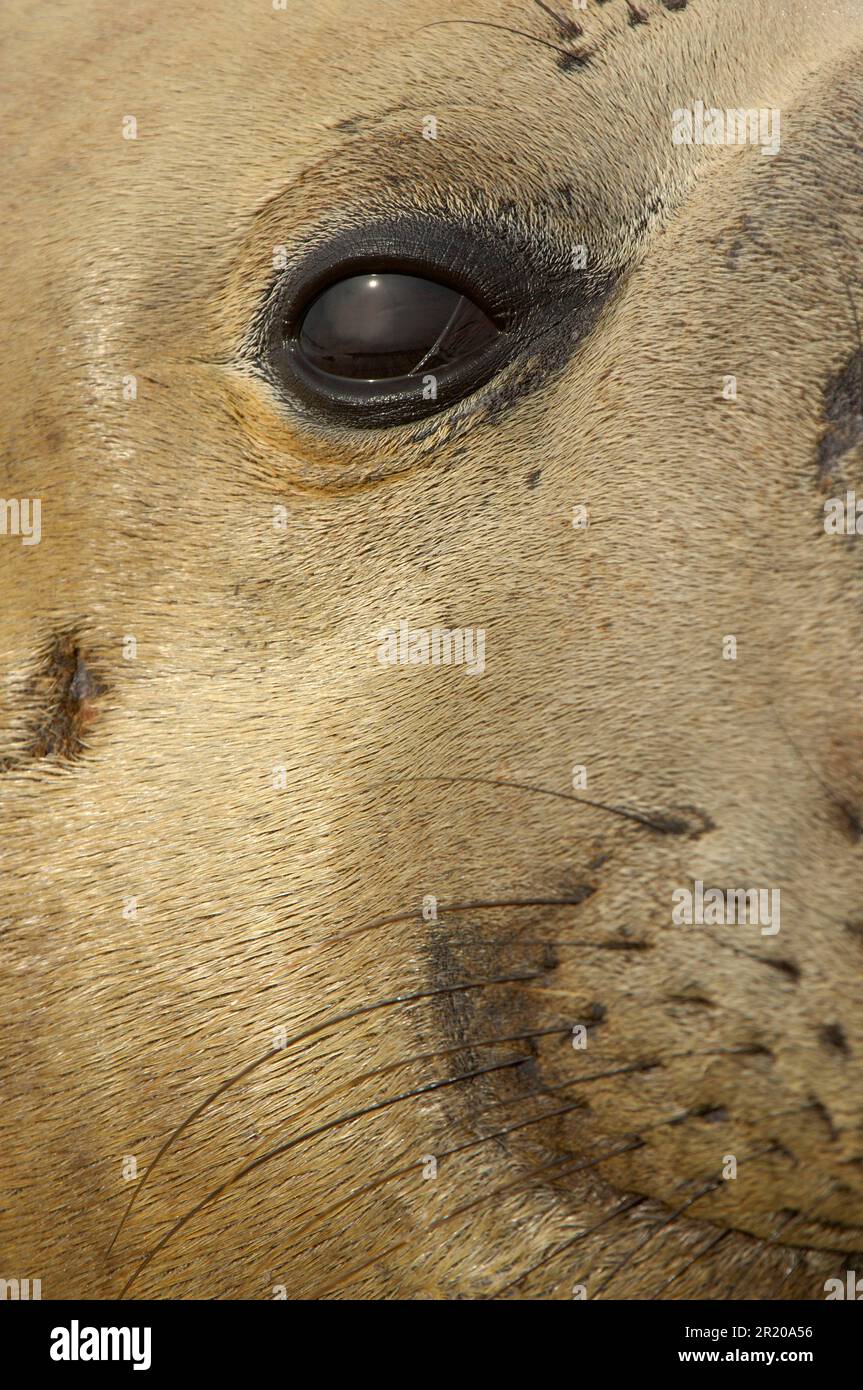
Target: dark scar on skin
[567, 28]
[843, 414]
[61, 699]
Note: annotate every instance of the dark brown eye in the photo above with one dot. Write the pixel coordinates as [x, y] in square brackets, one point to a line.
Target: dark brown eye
[381, 326]
[389, 343]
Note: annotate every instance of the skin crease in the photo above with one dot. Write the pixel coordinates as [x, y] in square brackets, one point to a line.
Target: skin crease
[262, 908]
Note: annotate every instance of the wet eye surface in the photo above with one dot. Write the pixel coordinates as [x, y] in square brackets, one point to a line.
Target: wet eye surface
[385, 346]
[381, 326]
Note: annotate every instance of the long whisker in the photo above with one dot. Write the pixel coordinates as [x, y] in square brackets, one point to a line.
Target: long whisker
[841, 805]
[675, 1216]
[319, 1102]
[576, 1166]
[488, 24]
[574, 899]
[579, 895]
[567, 28]
[672, 824]
[304, 1138]
[583, 944]
[644, 1064]
[576, 1081]
[313, 1030]
[620, 1210]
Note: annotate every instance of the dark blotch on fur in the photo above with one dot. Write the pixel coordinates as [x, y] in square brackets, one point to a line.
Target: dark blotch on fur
[567, 61]
[712, 1114]
[821, 1110]
[847, 821]
[566, 28]
[843, 414]
[785, 967]
[832, 1036]
[60, 701]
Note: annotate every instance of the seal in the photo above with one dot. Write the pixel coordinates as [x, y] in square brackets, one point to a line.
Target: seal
[431, 715]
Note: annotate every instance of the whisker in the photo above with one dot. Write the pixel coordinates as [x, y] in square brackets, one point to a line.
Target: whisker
[313, 1030]
[579, 1080]
[675, 1215]
[580, 895]
[645, 1064]
[566, 27]
[488, 24]
[582, 945]
[468, 1045]
[621, 1210]
[304, 1138]
[841, 805]
[320, 1101]
[662, 824]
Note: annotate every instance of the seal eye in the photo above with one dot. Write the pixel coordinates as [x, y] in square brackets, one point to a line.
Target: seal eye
[382, 326]
[387, 344]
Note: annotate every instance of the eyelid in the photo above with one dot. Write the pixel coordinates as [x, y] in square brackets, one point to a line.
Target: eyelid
[526, 284]
[409, 245]
[467, 258]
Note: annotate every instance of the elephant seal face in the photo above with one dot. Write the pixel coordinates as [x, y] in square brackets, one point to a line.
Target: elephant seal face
[433, 808]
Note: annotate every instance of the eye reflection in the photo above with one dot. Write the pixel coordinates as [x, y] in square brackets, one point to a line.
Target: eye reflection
[381, 325]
